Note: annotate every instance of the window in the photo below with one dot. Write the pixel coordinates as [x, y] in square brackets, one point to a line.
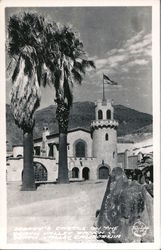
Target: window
[100, 115]
[51, 150]
[106, 137]
[114, 154]
[37, 150]
[108, 114]
[80, 149]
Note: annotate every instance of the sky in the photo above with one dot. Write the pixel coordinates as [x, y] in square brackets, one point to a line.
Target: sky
[119, 40]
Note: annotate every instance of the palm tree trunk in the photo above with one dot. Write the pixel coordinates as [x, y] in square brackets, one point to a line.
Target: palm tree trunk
[63, 162]
[28, 179]
[62, 115]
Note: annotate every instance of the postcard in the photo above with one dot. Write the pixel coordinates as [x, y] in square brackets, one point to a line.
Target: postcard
[80, 124]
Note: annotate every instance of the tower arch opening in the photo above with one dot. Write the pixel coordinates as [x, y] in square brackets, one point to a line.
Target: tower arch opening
[108, 114]
[100, 114]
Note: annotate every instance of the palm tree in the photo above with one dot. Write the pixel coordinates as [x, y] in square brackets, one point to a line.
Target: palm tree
[25, 45]
[67, 63]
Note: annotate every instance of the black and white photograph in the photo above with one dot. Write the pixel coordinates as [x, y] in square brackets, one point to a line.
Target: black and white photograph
[81, 139]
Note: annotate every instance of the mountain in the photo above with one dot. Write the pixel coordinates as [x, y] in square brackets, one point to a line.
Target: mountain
[81, 115]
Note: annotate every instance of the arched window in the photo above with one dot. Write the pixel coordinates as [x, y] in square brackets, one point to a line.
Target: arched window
[106, 137]
[80, 149]
[100, 115]
[75, 172]
[108, 114]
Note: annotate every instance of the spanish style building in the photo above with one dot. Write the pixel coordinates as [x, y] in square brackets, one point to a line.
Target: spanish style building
[92, 153]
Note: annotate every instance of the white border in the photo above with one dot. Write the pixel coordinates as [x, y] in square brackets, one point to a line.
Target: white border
[156, 122]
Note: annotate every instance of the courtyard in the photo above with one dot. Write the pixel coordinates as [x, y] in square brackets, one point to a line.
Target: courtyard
[54, 212]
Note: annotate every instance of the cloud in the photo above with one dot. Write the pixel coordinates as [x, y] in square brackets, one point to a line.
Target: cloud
[100, 63]
[134, 39]
[137, 62]
[115, 59]
[135, 51]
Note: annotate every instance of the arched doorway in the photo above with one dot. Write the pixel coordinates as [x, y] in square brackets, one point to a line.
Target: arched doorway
[41, 173]
[75, 172]
[103, 172]
[85, 173]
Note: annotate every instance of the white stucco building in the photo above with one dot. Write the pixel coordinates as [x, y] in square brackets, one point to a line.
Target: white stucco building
[92, 153]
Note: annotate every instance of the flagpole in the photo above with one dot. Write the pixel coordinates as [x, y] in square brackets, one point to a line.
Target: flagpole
[103, 90]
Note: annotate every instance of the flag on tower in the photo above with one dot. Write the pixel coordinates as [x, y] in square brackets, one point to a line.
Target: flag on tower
[107, 80]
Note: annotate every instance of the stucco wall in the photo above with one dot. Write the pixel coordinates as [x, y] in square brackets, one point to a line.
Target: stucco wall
[79, 135]
[15, 167]
[17, 150]
[92, 163]
[51, 165]
[104, 150]
[51, 140]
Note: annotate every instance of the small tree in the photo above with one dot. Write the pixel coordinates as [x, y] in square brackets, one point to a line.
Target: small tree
[25, 46]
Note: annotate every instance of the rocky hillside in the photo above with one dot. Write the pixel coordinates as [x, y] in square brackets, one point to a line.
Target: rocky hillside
[81, 115]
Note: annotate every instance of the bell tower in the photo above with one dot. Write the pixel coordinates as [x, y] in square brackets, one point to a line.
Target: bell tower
[104, 133]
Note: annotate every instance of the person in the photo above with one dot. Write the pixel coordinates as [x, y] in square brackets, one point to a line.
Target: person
[124, 204]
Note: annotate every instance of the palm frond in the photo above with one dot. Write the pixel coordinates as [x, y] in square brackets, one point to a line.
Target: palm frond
[25, 97]
[16, 71]
[68, 95]
[88, 64]
[77, 76]
[48, 53]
